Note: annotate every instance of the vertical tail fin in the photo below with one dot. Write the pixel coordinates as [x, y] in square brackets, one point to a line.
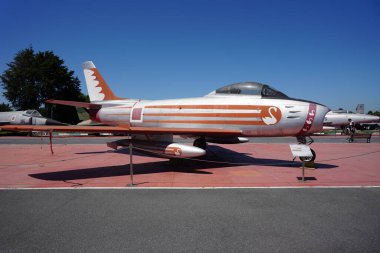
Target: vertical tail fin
[360, 108]
[97, 88]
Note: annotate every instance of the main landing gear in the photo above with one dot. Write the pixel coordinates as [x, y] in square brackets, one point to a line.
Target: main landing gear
[307, 140]
[200, 143]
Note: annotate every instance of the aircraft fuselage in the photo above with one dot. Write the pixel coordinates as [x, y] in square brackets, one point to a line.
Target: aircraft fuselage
[253, 115]
[342, 119]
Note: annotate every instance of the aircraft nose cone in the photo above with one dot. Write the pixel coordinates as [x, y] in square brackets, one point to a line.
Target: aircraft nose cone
[320, 114]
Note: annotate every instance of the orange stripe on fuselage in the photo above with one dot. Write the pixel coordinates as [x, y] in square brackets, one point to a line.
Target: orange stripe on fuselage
[226, 107]
[264, 115]
[232, 115]
[210, 122]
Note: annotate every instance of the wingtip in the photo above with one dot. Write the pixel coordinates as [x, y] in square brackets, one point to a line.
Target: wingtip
[88, 65]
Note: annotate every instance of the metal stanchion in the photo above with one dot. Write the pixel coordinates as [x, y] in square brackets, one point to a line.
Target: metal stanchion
[303, 171]
[31, 134]
[51, 141]
[131, 164]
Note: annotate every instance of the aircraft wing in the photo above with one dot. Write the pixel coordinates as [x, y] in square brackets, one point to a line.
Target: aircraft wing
[126, 130]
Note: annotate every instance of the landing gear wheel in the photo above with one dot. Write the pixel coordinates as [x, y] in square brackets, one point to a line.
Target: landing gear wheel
[200, 143]
[309, 158]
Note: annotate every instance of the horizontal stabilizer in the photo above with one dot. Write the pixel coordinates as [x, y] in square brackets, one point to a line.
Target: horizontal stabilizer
[74, 103]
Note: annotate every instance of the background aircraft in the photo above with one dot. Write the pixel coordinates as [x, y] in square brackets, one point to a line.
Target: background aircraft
[28, 117]
[84, 118]
[226, 115]
[339, 118]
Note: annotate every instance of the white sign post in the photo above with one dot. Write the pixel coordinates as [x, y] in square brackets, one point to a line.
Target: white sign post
[301, 150]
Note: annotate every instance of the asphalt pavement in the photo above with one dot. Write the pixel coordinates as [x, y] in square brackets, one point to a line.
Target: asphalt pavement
[190, 220]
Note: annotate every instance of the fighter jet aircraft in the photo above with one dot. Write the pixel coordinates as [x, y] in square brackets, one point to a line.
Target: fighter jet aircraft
[28, 117]
[226, 115]
[340, 118]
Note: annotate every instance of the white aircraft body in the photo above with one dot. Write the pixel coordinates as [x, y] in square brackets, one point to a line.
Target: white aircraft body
[340, 118]
[226, 115]
[28, 117]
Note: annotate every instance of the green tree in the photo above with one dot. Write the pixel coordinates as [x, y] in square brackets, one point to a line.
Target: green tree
[376, 113]
[33, 77]
[5, 107]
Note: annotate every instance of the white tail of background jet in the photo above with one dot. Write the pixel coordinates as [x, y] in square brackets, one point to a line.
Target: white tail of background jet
[97, 88]
[360, 108]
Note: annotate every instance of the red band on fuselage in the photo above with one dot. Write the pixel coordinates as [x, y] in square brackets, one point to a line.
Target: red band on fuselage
[309, 119]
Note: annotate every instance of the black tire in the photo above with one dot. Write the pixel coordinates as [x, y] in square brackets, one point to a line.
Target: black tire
[309, 158]
[200, 143]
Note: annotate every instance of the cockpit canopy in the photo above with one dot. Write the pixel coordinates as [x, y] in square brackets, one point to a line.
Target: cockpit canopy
[250, 88]
[32, 113]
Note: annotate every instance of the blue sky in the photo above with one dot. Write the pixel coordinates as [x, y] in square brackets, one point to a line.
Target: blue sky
[325, 51]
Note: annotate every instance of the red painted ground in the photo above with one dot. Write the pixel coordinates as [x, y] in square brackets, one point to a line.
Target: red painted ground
[348, 164]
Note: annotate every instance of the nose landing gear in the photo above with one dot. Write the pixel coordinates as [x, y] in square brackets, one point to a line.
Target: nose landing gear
[307, 140]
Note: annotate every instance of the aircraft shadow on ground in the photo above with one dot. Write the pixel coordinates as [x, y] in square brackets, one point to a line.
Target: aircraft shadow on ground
[217, 157]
